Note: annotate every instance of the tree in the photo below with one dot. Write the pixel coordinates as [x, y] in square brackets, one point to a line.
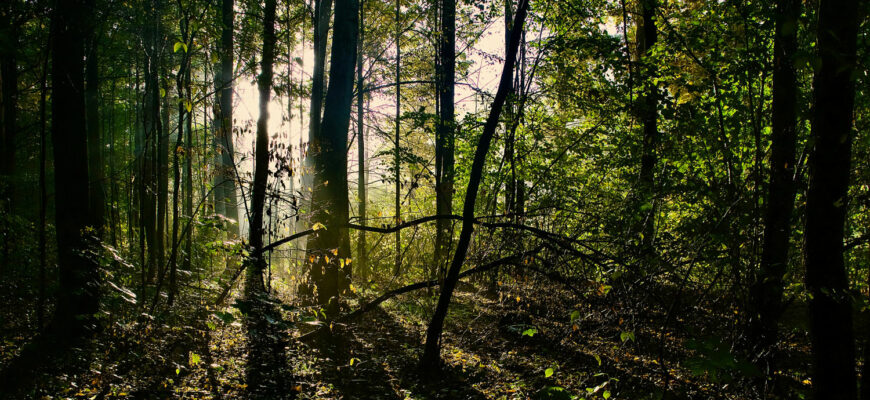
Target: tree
[95, 139]
[362, 258]
[767, 292]
[646, 41]
[79, 281]
[445, 136]
[431, 358]
[330, 249]
[833, 346]
[225, 183]
[254, 283]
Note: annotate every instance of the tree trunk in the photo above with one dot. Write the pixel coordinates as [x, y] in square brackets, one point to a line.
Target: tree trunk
[322, 11]
[444, 142]
[254, 282]
[361, 260]
[646, 40]
[398, 176]
[79, 282]
[97, 192]
[8, 110]
[431, 358]
[330, 245]
[767, 291]
[833, 347]
[225, 182]
[152, 126]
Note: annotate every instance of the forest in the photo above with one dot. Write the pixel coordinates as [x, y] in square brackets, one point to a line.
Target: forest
[435, 199]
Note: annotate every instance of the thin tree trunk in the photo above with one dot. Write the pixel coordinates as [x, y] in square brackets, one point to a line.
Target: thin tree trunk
[833, 347]
[398, 204]
[8, 110]
[767, 291]
[431, 358]
[97, 192]
[254, 282]
[79, 283]
[361, 261]
[649, 116]
[444, 157]
[226, 196]
[330, 245]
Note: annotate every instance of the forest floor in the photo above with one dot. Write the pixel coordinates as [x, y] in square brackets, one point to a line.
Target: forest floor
[520, 340]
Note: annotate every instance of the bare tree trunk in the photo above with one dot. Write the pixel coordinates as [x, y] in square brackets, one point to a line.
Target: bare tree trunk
[767, 291]
[833, 347]
[330, 245]
[431, 359]
[79, 283]
[226, 195]
[646, 41]
[398, 218]
[95, 143]
[444, 142]
[361, 260]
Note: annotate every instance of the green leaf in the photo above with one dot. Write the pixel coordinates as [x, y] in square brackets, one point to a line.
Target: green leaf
[575, 315]
[598, 358]
[179, 46]
[626, 336]
[162, 92]
[188, 106]
[530, 332]
[606, 394]
[194, 359]
[548, 372]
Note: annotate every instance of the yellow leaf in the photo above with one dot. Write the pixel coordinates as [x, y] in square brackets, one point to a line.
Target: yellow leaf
[318, 226]
[334, 252]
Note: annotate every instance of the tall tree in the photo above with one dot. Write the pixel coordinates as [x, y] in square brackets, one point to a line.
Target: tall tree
[396, 149]
[79, 282]
[225, 183]
[646, 41]
[833, 348]
[95, 140]
[361, 260]
[444, 141]
[431, 359]
[254, 283]
[767, 292]
[9, 43]
[322, 11]
[330, 247]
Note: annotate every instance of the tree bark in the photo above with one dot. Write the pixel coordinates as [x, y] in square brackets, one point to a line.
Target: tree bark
[767, 291]
[361, 260]
[254, 281]
[646, 41]
[833, 347]
[79, 282]
[97, 192]
[396, 158]
[9, 107]
[225, 183]
[431, 358]
[330, 245]
[444, 142]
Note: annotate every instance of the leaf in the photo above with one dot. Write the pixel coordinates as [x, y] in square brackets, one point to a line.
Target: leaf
[598, 358]
[575, 315]
[530, 332]
[177, 46]
[606, 394]
[548, 372]
[193, 359]
[162, 92]
[188, 106]
[626, 336]
[318, 226]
